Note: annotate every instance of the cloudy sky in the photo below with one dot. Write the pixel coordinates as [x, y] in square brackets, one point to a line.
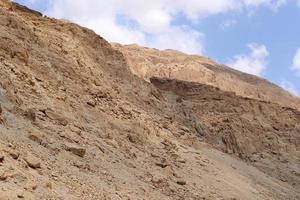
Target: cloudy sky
[261, 37]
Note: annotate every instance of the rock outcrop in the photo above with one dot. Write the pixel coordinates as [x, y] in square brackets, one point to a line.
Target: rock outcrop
[147, 63]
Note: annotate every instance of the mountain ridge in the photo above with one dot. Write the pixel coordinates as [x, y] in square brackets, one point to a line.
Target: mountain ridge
[148, 62]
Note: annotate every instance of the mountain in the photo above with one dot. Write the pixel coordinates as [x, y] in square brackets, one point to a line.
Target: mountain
[76, 123]
[148, 62]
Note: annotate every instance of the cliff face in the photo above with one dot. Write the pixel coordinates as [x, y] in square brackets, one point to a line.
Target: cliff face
[76, 123]
[147, 63]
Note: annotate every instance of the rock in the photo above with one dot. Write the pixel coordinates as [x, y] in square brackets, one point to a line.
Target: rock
[75, 149]
[20, 196]
[1, 158]
[181, 160]
[6, 4]
[15, 155]
[2, 120]
[60, 119]
[181, 182]
[32, 161]
[162, 165]
[31, 186]
[30, 114]
[5, 175]
[36, 137]
[91, 102]
[49, 185]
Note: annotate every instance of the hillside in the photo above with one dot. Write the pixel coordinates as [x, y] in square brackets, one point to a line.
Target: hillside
[147, 62]
[76, 123]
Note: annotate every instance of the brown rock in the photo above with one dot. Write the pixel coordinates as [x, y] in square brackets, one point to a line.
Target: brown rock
[60, 119]
[181, 182]
[162, 165]
[31, 186]
[91, 102]
[15, 155]
[32, 161]
[75, 149]
[36, 137]
[5, 175]
[30, 114]
[6, 4]
[1, 158]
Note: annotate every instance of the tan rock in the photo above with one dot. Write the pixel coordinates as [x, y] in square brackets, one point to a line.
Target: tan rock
[14, 154]
[32, 161]
[5, 175]
[6, 4]
[181, 182]
[36, 137]
[75, 149]
[91, 102]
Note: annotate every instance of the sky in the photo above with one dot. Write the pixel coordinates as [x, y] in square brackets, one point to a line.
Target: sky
[260, 37]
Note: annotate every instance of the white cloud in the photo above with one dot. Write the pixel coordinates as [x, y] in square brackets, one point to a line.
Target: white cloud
[253, 63]
[153, 20]
[296, 62]
[289, 86]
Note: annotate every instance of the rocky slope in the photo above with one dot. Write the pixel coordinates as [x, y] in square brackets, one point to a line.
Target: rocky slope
[147, 62]
[75, 123]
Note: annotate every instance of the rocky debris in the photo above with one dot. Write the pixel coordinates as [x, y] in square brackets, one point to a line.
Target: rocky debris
[139, 137]
[32, 161]
[75, 149]
[6, 4]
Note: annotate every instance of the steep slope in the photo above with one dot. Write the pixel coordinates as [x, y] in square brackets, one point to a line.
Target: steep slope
[147, 63]
[261, 133]
[75, 123]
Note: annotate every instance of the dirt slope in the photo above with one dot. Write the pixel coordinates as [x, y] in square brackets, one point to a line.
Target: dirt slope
[75, 123]
[147, 63]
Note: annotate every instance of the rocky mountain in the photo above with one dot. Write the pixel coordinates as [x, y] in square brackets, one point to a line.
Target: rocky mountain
[147, 62]
[76, 123]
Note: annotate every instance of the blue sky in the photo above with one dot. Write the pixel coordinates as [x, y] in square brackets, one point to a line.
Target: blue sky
[260, 37]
